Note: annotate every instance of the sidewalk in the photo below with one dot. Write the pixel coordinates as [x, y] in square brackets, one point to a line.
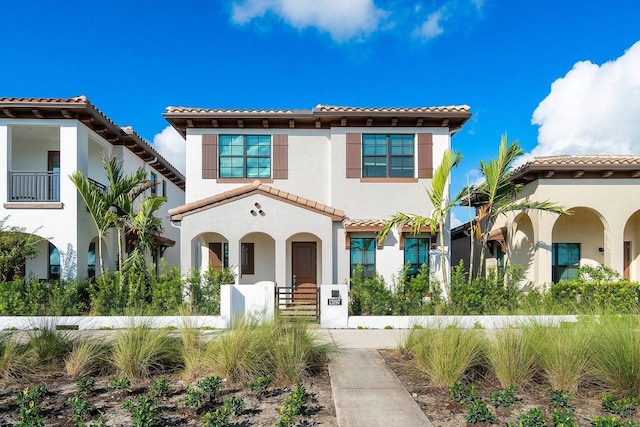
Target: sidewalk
[365, 391]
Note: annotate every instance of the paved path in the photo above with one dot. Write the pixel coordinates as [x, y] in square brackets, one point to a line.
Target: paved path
[366, 392]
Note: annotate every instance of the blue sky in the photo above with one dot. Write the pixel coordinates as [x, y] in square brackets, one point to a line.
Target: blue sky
[572, 67]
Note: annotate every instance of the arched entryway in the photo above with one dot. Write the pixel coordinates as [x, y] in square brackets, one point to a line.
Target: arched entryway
[256, 258]
[577, 239]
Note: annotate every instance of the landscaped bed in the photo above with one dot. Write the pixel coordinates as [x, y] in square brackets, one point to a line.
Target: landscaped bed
[271, 374]
[584, 374]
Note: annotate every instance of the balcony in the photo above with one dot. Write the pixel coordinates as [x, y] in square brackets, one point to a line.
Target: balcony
[34, 186]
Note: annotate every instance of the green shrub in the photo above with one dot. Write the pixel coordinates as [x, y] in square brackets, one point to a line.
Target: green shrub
[532, 418]
[204, 290]
[495, 293]
[120, 384]
[563, 417]
[85, 386]
[612, 422]
[559, 398]
[235, 405]
[217, 418]
[477, 412]
[260, 385]
[80, 408]
[30, 406]
[144, 412]
[463, 394]
[504, 398]
[623, 407]
[294, 405]
[159, 388]
[369, 296]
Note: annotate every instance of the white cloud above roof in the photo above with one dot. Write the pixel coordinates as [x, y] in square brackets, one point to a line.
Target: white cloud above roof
[343, 20]
[346, 20]
[171, 146]
[592, 109]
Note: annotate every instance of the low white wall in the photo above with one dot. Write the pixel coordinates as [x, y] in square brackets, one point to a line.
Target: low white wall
[334, 306]
[109, 322]
[486, 322]
[248, 302]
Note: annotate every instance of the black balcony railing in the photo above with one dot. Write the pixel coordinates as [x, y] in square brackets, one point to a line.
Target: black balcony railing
[30, 186]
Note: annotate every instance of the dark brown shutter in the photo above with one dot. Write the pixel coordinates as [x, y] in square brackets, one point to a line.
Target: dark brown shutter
[209, 156]
[425, 155]
[246, 265]
[280, 156]
[215, 255]
[354, 155]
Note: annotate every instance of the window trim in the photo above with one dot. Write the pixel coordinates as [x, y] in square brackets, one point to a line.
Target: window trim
[427, 247]
[388, 156]
[554, 259]
[373, 251]
[245, 156]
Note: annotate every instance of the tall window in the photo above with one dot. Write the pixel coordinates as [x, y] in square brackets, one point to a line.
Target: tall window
[416, 253]
[565, 260]
[388, 156]
[363, 252]
[153, 178]
[245, 156]
[54, 262]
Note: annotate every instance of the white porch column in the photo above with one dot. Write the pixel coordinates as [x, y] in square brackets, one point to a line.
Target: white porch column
[234, 256]
[5, 156]
[614, 243]
[281, 261]
[543, 236]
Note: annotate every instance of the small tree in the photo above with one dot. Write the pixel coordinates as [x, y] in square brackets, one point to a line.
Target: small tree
[16, 247]
[497, 194]
[438, 195]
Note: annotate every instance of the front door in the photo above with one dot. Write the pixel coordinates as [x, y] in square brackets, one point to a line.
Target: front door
[303, 263]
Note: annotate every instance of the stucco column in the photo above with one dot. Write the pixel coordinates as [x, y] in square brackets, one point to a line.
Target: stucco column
[5, 151]
[614, 243]
[543, 231]
[281, 261]
[234, 256]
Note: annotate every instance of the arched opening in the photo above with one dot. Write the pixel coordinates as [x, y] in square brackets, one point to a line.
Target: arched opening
[521, 247]
[577, 239]
[256, 258]
[210, 250]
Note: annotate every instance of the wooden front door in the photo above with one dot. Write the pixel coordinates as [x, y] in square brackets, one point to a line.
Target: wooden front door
[626, 259]
[303, 263]
[215, 256]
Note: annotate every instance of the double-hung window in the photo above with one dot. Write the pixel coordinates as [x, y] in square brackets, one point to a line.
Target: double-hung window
[416, 253]
[388, 156]
[245, 156]
[363, 253]
[565, 260]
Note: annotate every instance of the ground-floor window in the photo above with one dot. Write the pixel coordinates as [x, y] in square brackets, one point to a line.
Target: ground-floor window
[363, 253]
[565, 260]
[54, 262]
[416, 253]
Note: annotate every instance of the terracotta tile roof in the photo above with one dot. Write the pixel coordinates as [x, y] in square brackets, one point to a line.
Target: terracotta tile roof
[256, 187]
[343, 109]
[363, 223]
[584, 160]
[195, 110]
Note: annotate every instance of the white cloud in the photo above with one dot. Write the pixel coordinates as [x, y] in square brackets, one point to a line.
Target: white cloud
[455, 222]
[171, 145]
[343, 20]
[592, 109]
[432, 26]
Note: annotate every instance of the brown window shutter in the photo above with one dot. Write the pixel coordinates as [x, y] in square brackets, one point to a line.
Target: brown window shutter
[280, 156]
[354, 155]
[425, 155]
[209, 156]
[215, 255]
[247, 258]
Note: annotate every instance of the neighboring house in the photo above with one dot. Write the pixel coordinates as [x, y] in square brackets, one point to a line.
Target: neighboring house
[603, 192]
[42, 142]
[298, 196]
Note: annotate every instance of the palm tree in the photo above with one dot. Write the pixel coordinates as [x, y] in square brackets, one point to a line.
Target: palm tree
[121, 193]
[98, 205]
[438, 195]
[496, 195]
[145, 226]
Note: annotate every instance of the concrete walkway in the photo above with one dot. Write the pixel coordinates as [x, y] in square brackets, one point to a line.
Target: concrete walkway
[365, 391]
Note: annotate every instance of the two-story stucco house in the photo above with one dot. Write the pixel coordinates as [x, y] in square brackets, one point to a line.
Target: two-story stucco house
[298, 196]
[42, 142]
[601, 191]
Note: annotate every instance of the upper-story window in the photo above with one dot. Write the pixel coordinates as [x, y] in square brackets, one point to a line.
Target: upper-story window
[245, 156]
[388, 156]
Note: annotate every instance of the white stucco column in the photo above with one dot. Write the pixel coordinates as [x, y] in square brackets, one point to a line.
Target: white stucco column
[614, 245]
[543, 236]
[234, 256]
[281, 261]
